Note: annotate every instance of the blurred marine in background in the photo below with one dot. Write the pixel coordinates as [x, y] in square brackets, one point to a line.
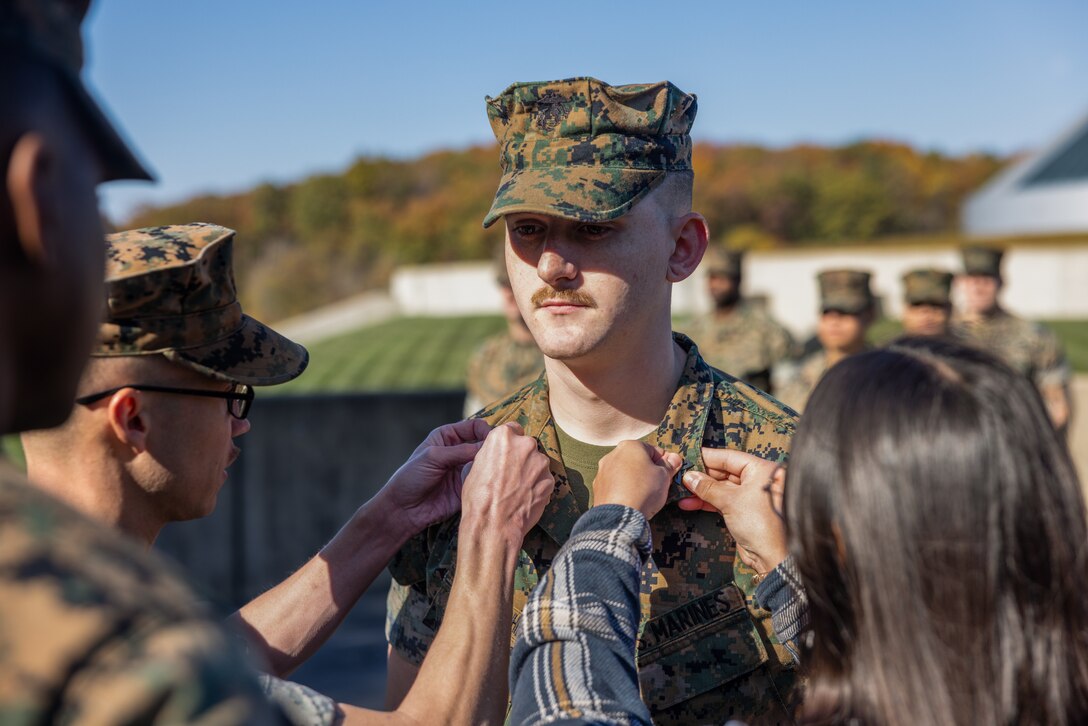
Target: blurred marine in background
[927, 306]
[507, 361]
[1030, 348]
[738, 336]
[847, 309]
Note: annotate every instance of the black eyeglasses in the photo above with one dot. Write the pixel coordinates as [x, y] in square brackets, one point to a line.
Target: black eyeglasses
[238, 400]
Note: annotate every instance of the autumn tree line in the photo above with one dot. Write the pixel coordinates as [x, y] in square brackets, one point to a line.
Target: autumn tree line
[329, 236]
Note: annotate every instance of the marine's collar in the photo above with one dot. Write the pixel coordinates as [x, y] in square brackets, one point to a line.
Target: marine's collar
[681, 430]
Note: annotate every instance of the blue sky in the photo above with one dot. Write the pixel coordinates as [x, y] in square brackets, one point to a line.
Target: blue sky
[220, 95]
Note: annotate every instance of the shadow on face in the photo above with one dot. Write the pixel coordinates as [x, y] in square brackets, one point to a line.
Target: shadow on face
[838, 330]
[53, 245]
[926, 319]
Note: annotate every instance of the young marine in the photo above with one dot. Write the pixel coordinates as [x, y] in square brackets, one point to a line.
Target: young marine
[158, 415]
[596, 200]
[847, 309]
[1029, 347]
[506, 361]
[738, 336]
[927, 301]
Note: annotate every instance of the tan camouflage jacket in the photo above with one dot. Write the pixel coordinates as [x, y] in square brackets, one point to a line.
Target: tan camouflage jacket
[93, 630]
[499, 367]
[706, 652]
[1029, 347]
[747, 343]
[794, 381]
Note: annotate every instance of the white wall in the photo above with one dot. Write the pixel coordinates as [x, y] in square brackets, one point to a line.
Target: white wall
[1041, 282]
[448, 289]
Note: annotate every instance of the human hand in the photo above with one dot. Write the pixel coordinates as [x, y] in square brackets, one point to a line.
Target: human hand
[507, 486]
[426, 489]
[636, 475]
[747, 491]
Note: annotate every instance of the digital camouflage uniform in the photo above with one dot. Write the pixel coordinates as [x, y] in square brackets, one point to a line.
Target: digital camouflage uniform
[582, 150]
[170, 291]
[93, 630]
[744, 341]
[794, 381]
[1028, 347]
[844, 291]
[706, 653]
[500, 366]
[747, 342]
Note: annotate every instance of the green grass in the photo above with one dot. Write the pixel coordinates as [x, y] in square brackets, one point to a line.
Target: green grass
[884, 331]
[400, 354]
[1072, 333]
[12, 449]
[1074, 336]
[431, 353]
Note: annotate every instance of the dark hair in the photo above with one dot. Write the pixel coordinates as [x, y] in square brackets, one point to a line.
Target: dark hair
[939, 530]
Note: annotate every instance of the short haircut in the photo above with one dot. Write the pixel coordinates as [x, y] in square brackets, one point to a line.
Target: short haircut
[673, 194]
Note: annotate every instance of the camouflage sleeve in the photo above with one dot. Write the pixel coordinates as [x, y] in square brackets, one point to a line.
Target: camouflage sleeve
[407, 626]
[185, 672]
[1050, 366]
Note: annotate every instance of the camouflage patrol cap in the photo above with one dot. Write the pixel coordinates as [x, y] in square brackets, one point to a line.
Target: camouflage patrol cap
[845, 290]
[170, 291]
[48, 31]
[720, 261]
[584, 150]
[928, 287]
[982, 260]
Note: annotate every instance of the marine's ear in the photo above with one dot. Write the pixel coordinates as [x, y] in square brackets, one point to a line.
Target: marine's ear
[34, 199]
[128, 419]
[690, 234]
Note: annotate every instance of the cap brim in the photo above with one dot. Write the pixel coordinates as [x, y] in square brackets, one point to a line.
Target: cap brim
[256, 355]
[119, 160]
[579, 193]
[851, 306]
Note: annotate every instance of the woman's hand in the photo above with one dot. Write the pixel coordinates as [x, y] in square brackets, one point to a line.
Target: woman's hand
[747, 491]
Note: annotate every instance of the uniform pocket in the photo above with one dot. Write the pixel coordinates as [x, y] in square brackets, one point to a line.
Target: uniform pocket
[697, 647]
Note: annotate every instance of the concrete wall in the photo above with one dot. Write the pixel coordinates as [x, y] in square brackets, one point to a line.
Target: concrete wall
[1042, 282]
[308, 463]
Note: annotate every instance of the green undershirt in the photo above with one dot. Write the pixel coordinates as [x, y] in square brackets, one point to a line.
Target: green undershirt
[581, 461]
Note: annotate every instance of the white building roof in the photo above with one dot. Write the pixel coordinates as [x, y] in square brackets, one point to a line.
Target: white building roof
[1046, 193]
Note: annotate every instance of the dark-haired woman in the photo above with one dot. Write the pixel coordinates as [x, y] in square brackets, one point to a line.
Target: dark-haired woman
[936, 526]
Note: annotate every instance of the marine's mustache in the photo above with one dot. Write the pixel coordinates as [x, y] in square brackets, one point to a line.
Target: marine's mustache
[574, 297]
